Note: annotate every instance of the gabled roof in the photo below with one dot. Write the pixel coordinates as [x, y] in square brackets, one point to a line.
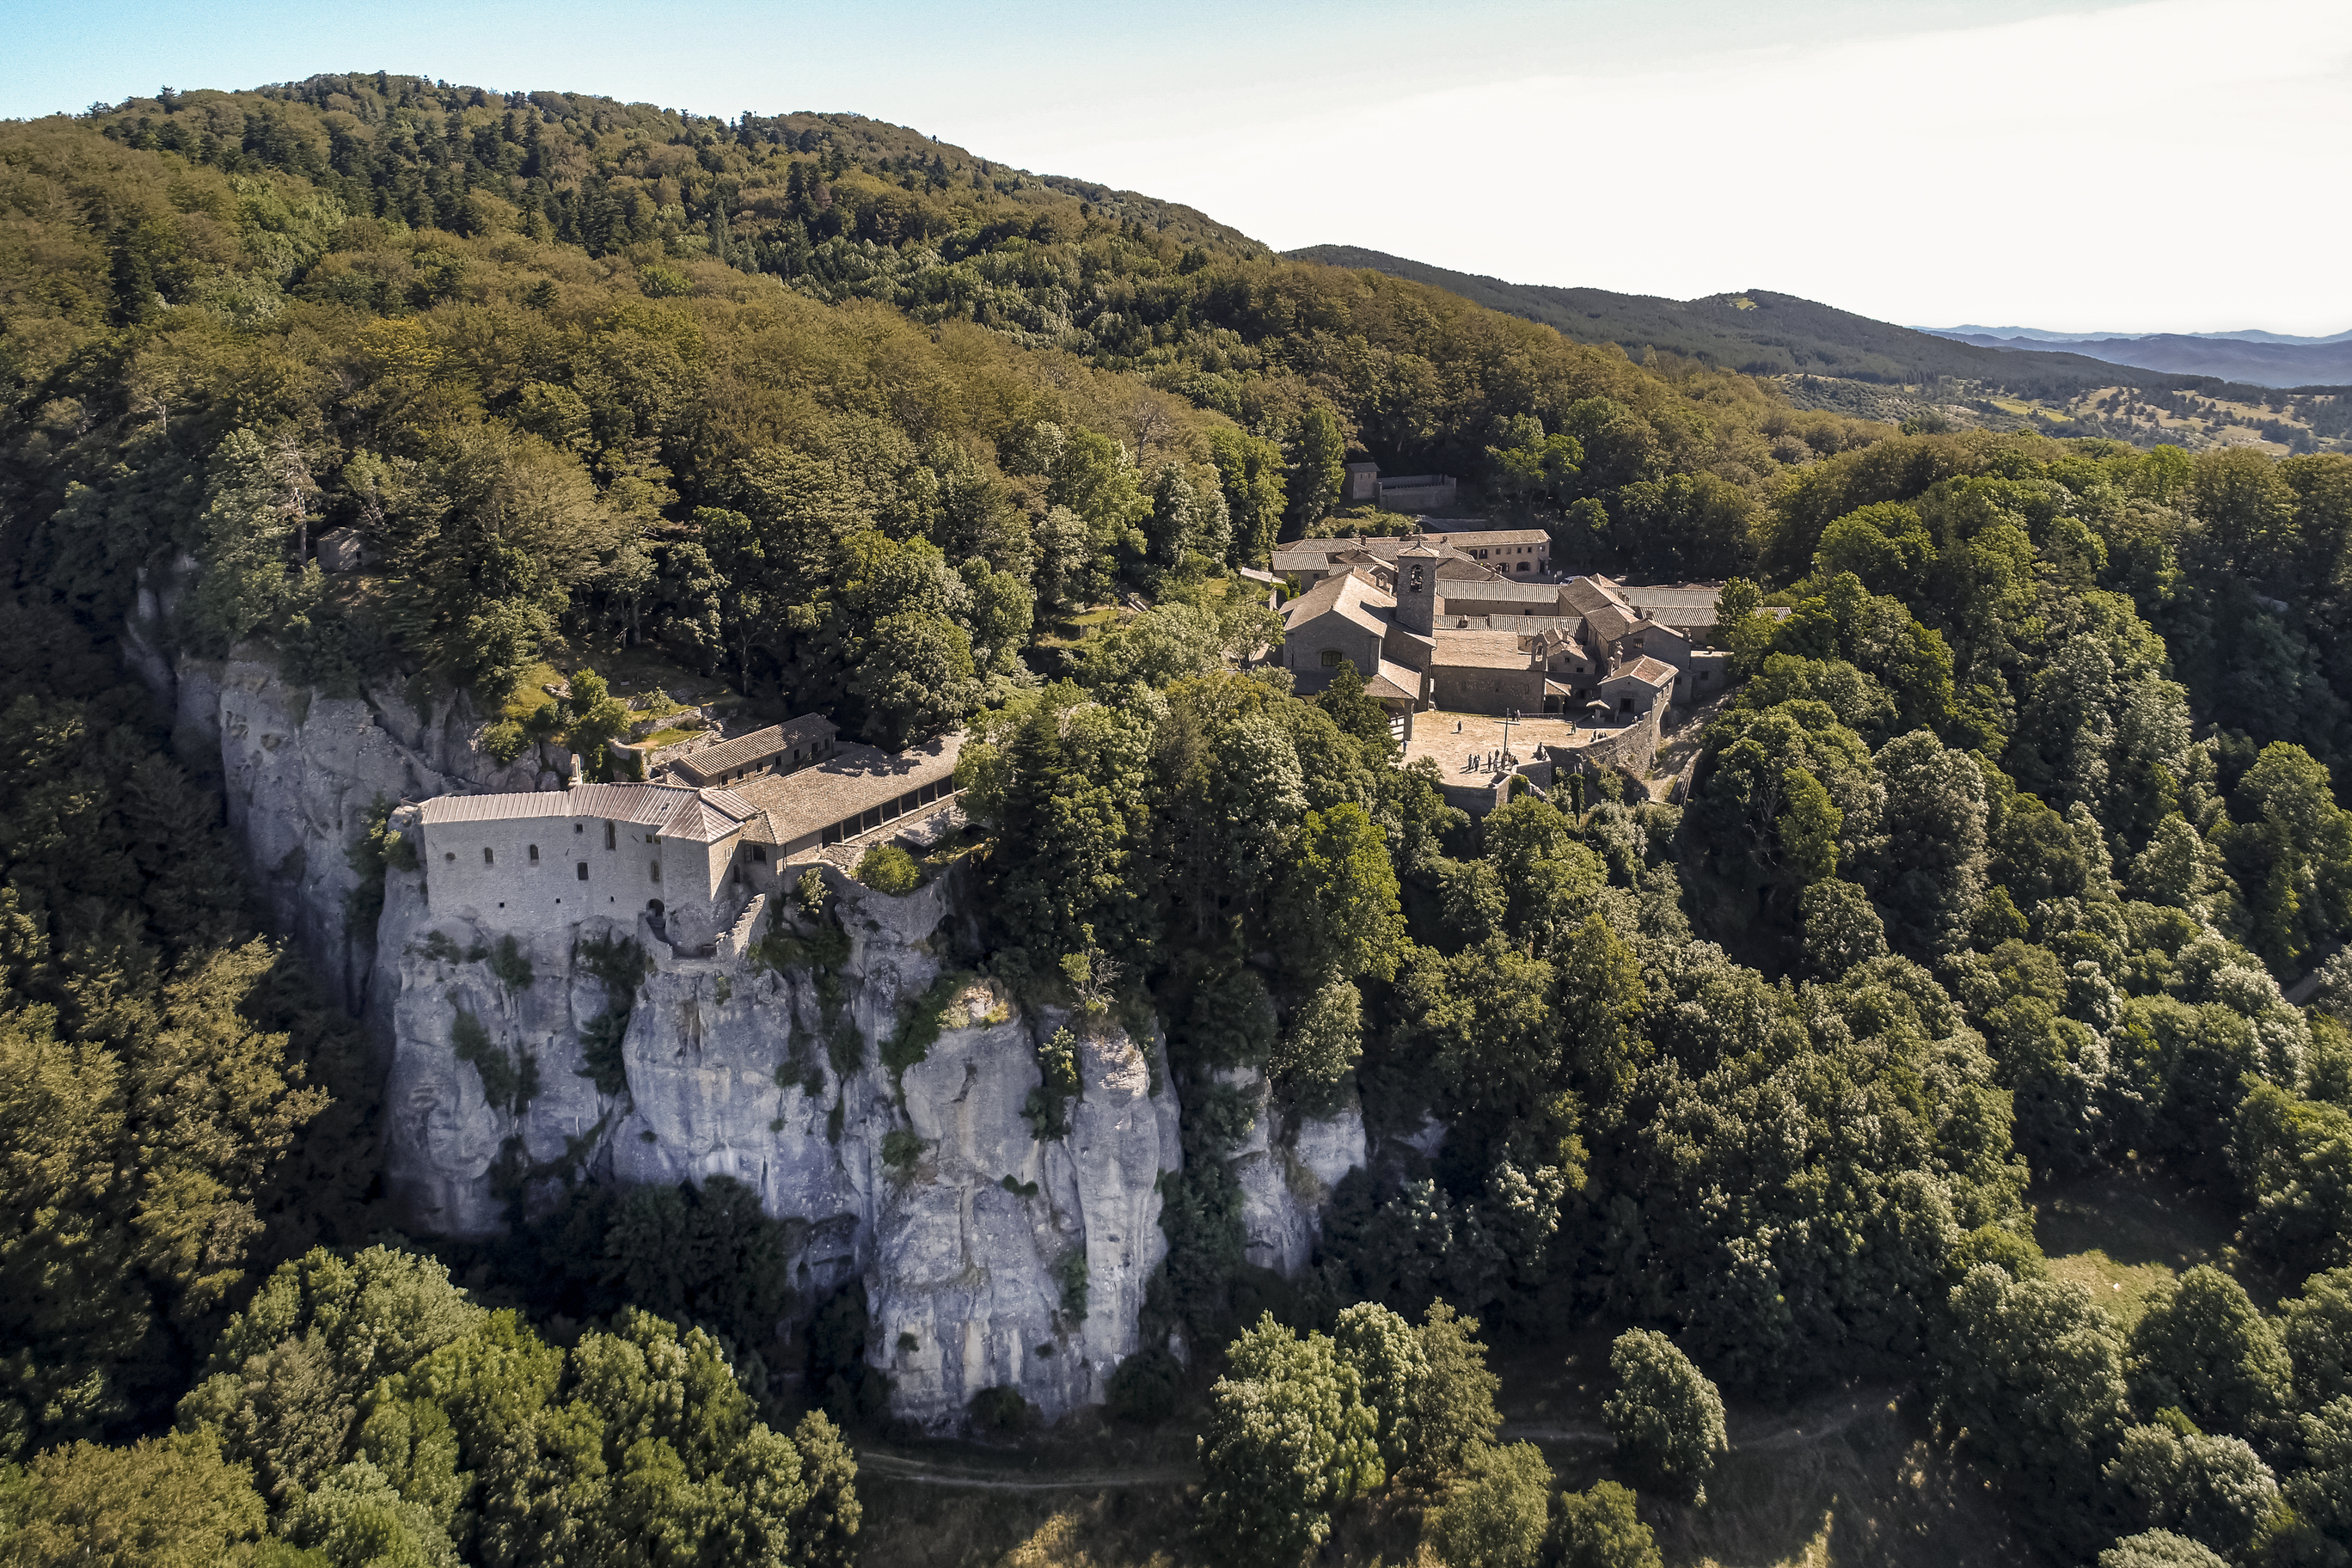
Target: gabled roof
[1505, 591]
[855, 779]
[1679, 604]
[1487, 539]
[702, 815]
[1350, 595]
[1395, 683]
[1648, 672]
[1461, 568]
[750, 750]
[1604, 624]
[1585, 595]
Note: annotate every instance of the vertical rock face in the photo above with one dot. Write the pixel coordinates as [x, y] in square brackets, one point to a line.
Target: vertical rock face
[968, 1231]
[1286, 1173]
[300, 772]
[991, 1259]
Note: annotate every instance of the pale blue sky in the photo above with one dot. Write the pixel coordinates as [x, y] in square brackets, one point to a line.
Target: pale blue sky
[2173, 164]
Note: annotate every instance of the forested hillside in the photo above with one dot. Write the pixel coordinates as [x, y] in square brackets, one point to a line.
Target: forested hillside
[1991, 875]
[2074, 389]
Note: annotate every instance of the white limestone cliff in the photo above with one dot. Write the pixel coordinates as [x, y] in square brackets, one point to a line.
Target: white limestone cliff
[1286, 1171]
[968, 1277]
[300, 772]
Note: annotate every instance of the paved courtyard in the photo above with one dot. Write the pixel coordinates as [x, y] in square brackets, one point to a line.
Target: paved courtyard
[1434, 736]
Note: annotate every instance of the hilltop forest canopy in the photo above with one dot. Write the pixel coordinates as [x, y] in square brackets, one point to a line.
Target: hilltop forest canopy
[1991, 872]
[559, 357]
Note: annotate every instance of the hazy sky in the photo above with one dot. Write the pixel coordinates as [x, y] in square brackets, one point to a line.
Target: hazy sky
[2176, 165]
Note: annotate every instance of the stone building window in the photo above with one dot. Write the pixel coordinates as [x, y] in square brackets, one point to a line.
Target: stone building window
[487, 860]
[582, 869]
[653, 868]
[758, 854]
[534, 854]
[609, 842]
[1329, 658]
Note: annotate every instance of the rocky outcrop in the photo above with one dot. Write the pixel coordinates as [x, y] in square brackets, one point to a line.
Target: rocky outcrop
[301, 771]
[1286, 1171]
[990, 1257]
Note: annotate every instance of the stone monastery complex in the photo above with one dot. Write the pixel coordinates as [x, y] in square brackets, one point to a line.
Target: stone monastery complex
[1472, 623]
[694, 849]
[1467, 621]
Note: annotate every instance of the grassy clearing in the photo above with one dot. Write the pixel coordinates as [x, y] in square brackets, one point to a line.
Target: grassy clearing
[2126, 1233]
[1079, 626]
[911, 1524]
[627, 670]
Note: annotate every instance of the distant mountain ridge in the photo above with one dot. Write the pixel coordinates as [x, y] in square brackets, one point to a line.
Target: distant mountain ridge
[1971, 334]
[1757, 333]
[1763, 333]
[2268, 359]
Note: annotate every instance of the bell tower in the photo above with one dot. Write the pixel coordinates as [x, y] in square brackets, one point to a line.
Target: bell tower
[1416, 589]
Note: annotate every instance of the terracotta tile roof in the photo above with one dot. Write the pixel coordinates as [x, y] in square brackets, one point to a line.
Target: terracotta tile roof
[703, 816]
[854, 780]
[1649, 671]
[1504, 590]
[749, 750]
[1394, 682]
[1481, 650]
[1349, 595]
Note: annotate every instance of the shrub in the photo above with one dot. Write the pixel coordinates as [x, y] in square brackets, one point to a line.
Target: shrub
[2159, 1549]
[1070, 1273]
[507, 1087]
[1667, 1417]
[900, 1150]
[511, 964]
[1599, 1528]
[503, 742]
[919, 1030]
[600, 1047]
[1003, 1410]
[1145, 1387]
[887, 868]
[810, 892]
[1047, 1110]
[1497, 1513]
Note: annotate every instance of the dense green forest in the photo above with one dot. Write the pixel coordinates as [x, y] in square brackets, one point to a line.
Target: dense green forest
[1991, 876]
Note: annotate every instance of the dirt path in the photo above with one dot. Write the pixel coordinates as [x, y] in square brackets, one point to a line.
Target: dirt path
[1792, 1429]
[1785, 1429]
[924, 1472]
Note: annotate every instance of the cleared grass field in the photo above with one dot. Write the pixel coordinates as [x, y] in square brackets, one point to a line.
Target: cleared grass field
[2125, 1232]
